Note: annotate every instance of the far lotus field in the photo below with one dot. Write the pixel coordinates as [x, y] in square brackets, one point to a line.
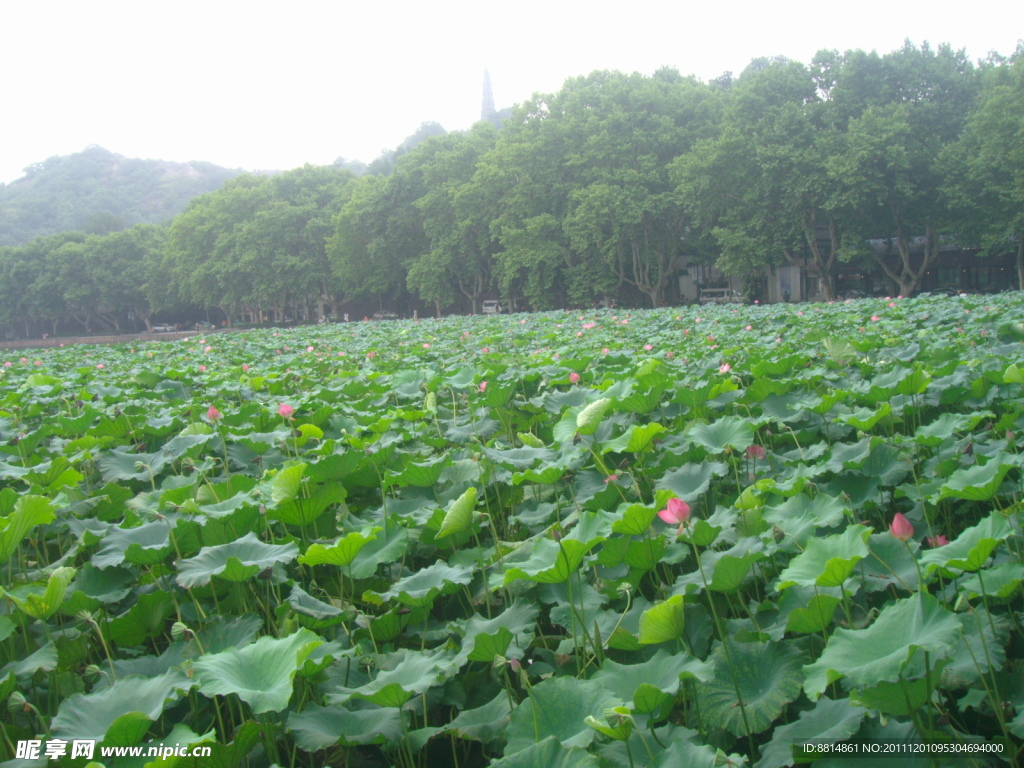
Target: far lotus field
[605, 539]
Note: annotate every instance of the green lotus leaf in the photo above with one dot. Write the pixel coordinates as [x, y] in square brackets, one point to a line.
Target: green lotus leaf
[148, 544]
[558, 707]
[286, 483]
[662, 622]
[28, 512]
[829, 722]
[552, 562]
[146, 619]
[383, 549]
[590, 417]
[404, 674]
[664, 672]
[237, 561]
[865, 419]
[999, 582]
[636, 519]
[731, 571]
[549, 753]
[827, 562]
[977, 483]
[886, 649]
[729, 432]
[43, 601]
[121, 714]
[485, 724]
[260, 673]
[691, 480]
[752, 685]
[317, 728]
[814, 617]
[303, 510]
[902, 698]
[639, 438]
[421, 588]
[459, 516]
[938, 431]
[342, 552]
[971, 549]
[518, 623]
[421, 474]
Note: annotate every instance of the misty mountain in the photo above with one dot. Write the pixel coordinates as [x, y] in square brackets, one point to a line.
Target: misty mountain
[98, 191]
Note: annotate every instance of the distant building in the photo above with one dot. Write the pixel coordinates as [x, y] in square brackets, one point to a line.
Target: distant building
[487, 110]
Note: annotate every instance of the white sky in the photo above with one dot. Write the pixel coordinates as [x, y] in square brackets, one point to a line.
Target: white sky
[273, 85]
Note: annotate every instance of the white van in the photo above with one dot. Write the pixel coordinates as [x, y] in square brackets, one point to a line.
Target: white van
[492, 307]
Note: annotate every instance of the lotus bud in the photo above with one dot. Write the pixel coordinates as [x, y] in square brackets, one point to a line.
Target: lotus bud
[179, 630]
[17, 703]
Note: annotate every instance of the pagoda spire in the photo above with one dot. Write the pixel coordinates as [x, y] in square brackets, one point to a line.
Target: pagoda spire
[487, 110]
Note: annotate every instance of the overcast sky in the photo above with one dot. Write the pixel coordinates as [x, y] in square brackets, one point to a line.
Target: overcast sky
[273, 85]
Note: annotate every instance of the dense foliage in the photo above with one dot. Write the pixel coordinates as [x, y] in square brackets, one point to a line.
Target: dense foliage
[655, 538]
[605, 191]
[96, 191]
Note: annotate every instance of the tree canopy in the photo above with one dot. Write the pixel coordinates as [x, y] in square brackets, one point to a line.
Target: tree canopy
[599, 192]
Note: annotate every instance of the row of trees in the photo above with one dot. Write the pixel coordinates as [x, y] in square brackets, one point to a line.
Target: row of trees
[590, 194]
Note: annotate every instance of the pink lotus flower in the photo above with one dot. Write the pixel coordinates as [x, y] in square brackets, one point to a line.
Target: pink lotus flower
[901, 527]
[285, 410]
[648, 347]
[611, 479]
[669, 355]
[25, 359]
[676, 513]
[483, 386]
[309, 349]
[100, 366]
[750, 327]
[574, 377]
[724, 368]
[875, 318]
[800, 314]
[578, 334]
[39, 362]
[208, 349]
[426, 345]
[892, 303]
[937, 541]
[245, 366]
[485, 350]
[7, 364]
[755, 452]
[605, 351]
[213, 414]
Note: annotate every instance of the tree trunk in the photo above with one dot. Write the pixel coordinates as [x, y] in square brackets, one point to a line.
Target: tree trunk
[907, 277]
[1020, 261]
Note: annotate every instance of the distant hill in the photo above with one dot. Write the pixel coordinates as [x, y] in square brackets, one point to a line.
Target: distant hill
[98, 191]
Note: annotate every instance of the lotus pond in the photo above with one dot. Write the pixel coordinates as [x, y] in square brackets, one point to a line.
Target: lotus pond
[439, 543]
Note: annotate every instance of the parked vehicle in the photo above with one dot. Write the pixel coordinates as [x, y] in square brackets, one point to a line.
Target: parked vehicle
[720, 296]
[163, 328]
[492, 307]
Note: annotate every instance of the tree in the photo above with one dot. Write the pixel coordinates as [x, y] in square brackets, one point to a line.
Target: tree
[984, 168]
[456, 217]
[887, 163]
[761, 187]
